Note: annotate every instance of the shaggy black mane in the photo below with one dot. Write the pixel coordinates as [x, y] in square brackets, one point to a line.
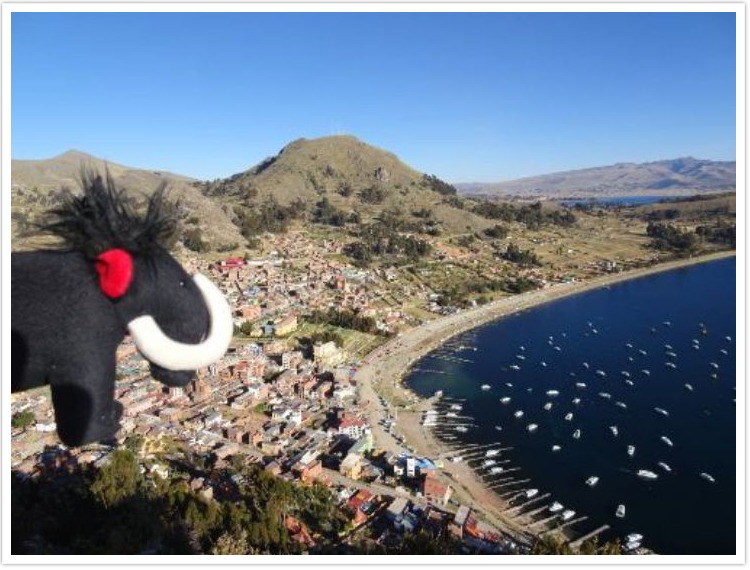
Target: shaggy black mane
[104, 218]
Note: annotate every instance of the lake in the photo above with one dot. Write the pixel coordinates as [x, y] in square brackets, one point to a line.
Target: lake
[653, 357]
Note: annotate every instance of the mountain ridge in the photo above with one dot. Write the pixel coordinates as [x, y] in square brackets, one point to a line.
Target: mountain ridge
[669, 177]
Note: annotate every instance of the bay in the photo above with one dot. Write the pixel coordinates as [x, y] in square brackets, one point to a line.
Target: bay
[629, 333]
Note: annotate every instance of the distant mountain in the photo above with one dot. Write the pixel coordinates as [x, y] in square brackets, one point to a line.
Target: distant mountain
[665, 177]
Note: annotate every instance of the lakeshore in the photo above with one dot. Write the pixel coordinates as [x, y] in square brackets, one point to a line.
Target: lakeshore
[382, 372]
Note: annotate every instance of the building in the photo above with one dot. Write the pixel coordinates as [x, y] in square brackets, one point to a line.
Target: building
[435, 491]
[286, 325]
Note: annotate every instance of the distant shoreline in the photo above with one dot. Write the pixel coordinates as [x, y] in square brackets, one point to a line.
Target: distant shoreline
[391, 361]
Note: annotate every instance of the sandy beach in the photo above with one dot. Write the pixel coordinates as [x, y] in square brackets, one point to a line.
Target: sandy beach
[382, 371]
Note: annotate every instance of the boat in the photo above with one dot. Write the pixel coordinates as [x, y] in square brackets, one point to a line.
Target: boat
[620, 512]
[646, 474]
[555, 507]
[567, 514]
[491, 452]
[708, 477]
[514, 367]
[606, 395]
[724, 351]
[505, 400]
[666, 440]
[531, 493]
[486, 387]
[576, 401]
[580, 385]
[568, 416]
[591, 481]
[601, 373]
[630, 546]
[614, 431]
[631, 450]
[552, 393]
[518, 413]
[557, 348]
[543, 363]
[548, 406]
[646, 371]
[625, 373]
[457, 459]
[489, 463]
[689, 387]
[520, 357]
[496, 470]
[643, 352]
[577, 434]
[462, 429]
[439, 394]
[714, 365]
[509, 384]
[499, 428]
[457, 407]
[667, 323]
[664, 466]
[668, 346]
[670, 353]
[728, 338]
[451, 415]
[629, 382]
[634, 537]
[621, 405]
[586, 365]
[556, 448]
[532, 427]
[629, 345]
[671, 365]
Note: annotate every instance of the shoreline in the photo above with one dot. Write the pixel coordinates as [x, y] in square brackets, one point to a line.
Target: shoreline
[386, 366]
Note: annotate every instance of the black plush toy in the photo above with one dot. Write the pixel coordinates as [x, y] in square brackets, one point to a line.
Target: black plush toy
[71, 307]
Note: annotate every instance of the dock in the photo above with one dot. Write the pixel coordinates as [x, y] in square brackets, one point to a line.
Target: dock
[577, 542]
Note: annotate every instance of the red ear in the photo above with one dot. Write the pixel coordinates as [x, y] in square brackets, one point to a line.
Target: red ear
[115, 269]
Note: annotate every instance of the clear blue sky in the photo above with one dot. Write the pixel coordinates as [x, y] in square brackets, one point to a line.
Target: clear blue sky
[467, 97]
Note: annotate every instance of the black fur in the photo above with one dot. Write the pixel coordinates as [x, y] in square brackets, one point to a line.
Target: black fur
[65, 331]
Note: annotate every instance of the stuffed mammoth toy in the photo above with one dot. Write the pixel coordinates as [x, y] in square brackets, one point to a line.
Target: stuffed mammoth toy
[112, 275]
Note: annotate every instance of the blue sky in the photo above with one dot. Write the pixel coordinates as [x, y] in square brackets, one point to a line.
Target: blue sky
[467, 97]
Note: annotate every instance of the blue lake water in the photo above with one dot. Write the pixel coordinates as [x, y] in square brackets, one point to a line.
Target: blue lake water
[620, 200]
[685, 317]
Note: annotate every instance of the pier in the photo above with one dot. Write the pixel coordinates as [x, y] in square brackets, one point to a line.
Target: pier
[577, 542]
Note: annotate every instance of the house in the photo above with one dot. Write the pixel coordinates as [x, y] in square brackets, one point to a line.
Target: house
[352, 427]
[435, 491]
[351, 466]
[397, 508]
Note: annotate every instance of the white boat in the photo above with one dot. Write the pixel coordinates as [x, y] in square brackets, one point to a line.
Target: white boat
[556, 448]
[621, 405]
[486, 387]
[605, 395]
[567, 514]
[728, 338]
[576, 401]
[664, 466]
[634, 537]
[531, 493]
[620, 513]
[569, 416]
[548, 406]
[552, 393]
[646, 371]
[451, 415]
[591, 481]
[668, 346]
[614, 431]
[601, 373]
[670, 365]
[724, 352]
[629, 345]
[586, 365]
[499, 428]
[580, 385]
[505, 400]
[625, 373]
[491, 452]
[509, 385]
[629, 382]
[439, 394]
[496, 470]
[632, 545]
[714, 365]
[515, 367]
[520, 357]
[457, 459]
[532, 427]
[462, 429]
[557, 348]
[643, 352]
[577, 434]
[518, 413]
[646, 474]
[631, 450]
[543, 363]
[708, 477]
[555, 507]
[666, 440]
[457, 407]
[489, 463]
[671, 354]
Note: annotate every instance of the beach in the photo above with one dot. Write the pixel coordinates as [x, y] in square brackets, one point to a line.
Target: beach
[383, 370]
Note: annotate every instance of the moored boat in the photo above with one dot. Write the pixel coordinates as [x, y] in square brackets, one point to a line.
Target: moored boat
[591, 481]
[646, 474]
[708, 477]
[555, 507]
[620, 512]
[631, 450]
[577, 434]
[518, 413]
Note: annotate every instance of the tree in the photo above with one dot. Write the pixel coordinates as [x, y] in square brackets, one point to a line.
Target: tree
[118, 479]
[22, 420]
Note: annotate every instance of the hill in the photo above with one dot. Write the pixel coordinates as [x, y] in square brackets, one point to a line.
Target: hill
[36, 185]
[352, 176]
[679, 176]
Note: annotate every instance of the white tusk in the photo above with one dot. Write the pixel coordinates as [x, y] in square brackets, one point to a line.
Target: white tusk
[158, 348]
